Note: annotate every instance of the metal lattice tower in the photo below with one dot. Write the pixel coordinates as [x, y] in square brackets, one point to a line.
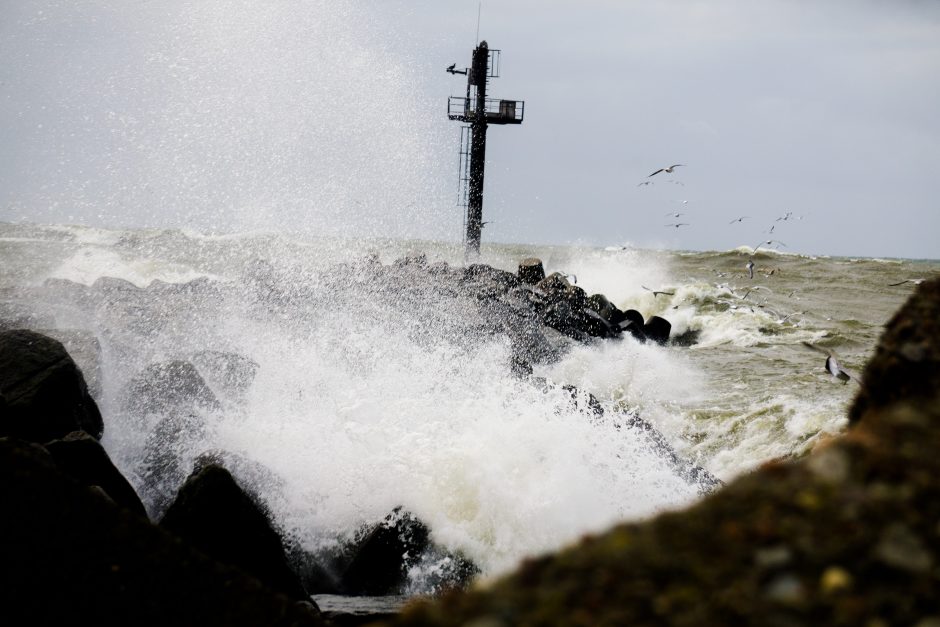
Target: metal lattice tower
[478, 112]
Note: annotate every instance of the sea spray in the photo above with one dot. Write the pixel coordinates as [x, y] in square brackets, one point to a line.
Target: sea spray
[365, 398]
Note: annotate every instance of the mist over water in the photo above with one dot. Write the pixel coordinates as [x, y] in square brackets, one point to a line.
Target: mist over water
[223, 115]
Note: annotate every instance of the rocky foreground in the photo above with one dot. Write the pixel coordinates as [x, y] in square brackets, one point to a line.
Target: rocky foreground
[849, 535]
[195, 543]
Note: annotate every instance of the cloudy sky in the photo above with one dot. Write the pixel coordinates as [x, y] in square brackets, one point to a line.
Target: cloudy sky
[330, 117]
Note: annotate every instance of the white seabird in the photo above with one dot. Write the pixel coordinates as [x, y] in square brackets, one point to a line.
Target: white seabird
[667, 170]
[656, 292]
[833, 366]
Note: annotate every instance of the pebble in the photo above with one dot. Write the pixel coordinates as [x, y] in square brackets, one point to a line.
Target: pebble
[903, 549]
[835, 579]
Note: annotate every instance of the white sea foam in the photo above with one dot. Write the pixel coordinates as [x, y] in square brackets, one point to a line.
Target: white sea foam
[358, 421]
[90, 263]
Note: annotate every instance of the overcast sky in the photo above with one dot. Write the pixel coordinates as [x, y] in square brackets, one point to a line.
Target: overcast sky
[330, 117]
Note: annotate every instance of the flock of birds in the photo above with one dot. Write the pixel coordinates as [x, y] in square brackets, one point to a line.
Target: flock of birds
[833, 364]
[677, 214]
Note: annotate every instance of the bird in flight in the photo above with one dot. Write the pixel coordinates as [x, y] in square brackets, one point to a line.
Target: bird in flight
[656, 292]
[914, 281]
[750, 267]
[666, 170]
[678, 224]
[739, 219]
[832, 365]
[769, 242]
[675, 215]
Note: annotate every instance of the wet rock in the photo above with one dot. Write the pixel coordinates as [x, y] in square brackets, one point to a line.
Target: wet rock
[499, 281]
[171, 386]
[229, 373]
[657, 329]
[631, 322]
[72, 557]
[689, 337]
[81, 457]
[85, 349]
[46, 394]
[599, 304]
[384, 555]
[555, 287]
[169, 453]
[593, 324]
[212, 513]
[531, 270]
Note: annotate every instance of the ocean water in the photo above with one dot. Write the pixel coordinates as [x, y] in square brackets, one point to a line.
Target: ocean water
[361, 402]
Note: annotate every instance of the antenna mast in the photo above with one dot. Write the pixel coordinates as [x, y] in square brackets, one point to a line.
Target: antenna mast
[478, 112]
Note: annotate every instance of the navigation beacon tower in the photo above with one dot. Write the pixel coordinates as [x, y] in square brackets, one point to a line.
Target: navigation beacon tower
[478, 112]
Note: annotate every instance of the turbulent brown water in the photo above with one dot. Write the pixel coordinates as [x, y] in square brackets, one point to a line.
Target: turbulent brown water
[356, 413]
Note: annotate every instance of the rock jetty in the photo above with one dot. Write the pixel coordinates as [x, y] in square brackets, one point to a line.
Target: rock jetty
[848, 535]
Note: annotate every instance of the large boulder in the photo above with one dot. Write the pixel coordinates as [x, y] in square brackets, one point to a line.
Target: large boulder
[906, 364]
[212, 513]
[170, 451]
[844, 536]
[84, 459]
[229, 373]
[167, 387]
[657, 329]
[85, 349]
[72, 557]
[382, 558]
[531, 270]
[46, 394]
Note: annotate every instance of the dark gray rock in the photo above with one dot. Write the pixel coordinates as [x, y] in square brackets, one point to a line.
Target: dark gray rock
[84, 459]
[657, 329]
[531, 270]
[85, 349]
[385, 553]
[212, 513]
[599, 304]
[169, 453]
[229, 373]
[71, 557]
[171, 386]
[46, 394]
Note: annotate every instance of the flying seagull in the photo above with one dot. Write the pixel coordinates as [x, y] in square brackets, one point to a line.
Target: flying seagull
[675, 215]
[768, 243]
[832, 365]
[739, 219]
[750, 267]
[678, 225]
[914, 281]
[667, 170]
[644, 183]
[655, 292]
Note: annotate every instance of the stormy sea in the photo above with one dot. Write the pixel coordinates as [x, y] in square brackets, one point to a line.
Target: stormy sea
[343, 379]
